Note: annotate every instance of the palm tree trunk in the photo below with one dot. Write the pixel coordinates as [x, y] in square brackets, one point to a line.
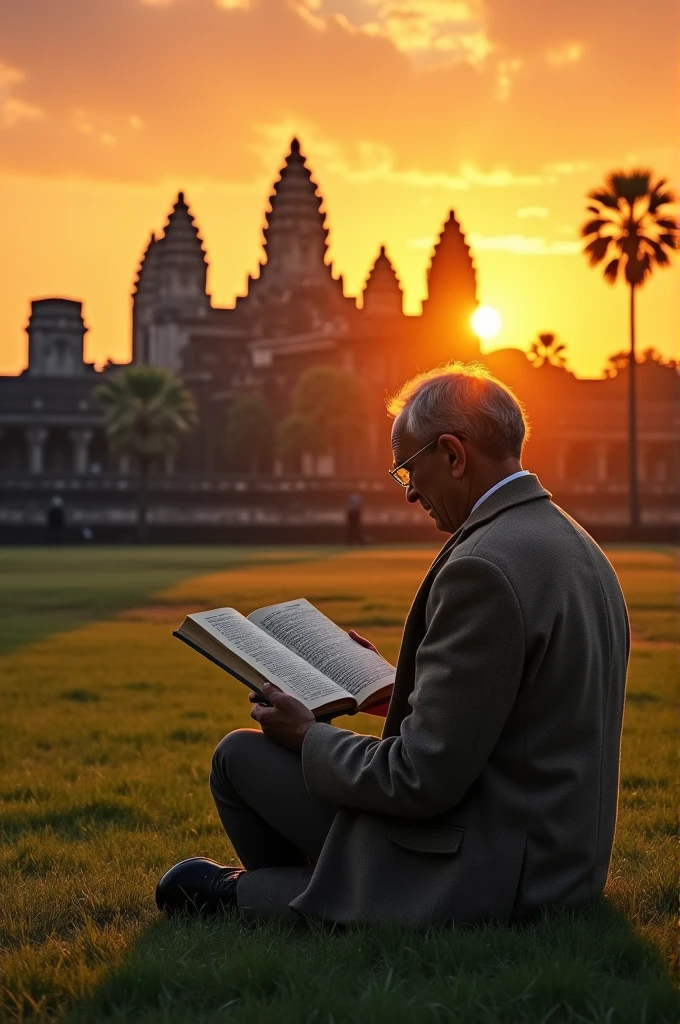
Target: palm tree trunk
[633, 491]
[142, 497]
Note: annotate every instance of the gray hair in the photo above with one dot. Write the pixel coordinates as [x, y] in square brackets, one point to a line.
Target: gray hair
[463, 399]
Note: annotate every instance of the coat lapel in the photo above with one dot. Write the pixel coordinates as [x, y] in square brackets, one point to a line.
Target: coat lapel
[523, 489]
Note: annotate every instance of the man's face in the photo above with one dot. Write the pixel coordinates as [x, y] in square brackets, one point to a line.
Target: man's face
[438, 480]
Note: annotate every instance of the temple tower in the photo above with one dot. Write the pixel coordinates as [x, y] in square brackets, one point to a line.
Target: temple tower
[382, 294]
[170, 290]
[182, 265]
[144, 295]
[295, 236]
[451, 297]
[56, 333]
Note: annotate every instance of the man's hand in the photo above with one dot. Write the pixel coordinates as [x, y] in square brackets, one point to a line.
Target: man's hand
[362, 641]
[286, 722]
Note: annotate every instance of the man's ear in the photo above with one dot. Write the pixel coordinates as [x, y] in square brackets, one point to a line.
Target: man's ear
[453, 447]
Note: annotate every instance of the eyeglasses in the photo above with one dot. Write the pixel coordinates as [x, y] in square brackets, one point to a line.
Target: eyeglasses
[402, 472]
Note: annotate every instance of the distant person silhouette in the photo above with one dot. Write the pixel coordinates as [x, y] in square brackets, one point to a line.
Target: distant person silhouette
[353, 518]
[55, 520]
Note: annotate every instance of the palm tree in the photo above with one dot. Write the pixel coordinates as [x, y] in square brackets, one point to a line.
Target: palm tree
[147, 410]
[634, 231]
[547, 351]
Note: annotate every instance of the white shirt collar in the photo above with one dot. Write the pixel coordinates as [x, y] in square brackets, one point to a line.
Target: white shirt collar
[505, 480]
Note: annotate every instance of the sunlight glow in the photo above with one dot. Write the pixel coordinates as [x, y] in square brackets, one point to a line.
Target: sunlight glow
[486, 322]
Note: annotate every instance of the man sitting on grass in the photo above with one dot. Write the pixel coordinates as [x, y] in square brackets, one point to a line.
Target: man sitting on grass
[493, 789]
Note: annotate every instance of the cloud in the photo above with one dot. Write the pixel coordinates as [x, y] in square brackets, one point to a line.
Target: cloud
[500, 177]
[532, 211]
[9, 76]
[365, 162]
[506, 69]
[521, 245]
[12, 108]
[567, 54]
[568, 167]
[430, 32]
[15, 110]
[447, 93]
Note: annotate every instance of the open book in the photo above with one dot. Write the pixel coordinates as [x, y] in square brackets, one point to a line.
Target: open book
[298, 648]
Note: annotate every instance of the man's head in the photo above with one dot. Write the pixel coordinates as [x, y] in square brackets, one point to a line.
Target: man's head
[472, 429]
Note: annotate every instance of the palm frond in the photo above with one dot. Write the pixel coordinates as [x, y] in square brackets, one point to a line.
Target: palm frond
[593, 226]
[630, 185]
[661, 257]
[611, 270]
[660, 196]
[606, 199]
[668, 224]
[597, 249]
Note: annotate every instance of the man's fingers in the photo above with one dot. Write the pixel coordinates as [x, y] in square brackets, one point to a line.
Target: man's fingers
[278, 698]
[260, 712]
[361, 640]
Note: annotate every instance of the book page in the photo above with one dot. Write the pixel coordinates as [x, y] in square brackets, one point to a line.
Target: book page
[280, 665]
[322, 643]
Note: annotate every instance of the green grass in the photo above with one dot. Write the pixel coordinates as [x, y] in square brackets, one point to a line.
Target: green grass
[50, 589]
[106, 734]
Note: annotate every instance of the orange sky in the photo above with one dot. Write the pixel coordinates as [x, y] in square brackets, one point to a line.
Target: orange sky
[506, 110]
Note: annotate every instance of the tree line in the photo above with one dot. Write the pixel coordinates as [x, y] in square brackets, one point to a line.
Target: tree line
[326, 417]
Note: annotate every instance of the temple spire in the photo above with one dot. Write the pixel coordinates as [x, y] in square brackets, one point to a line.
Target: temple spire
[145, 275]
[295, 235]
[382, 294]
[180, 262]
[452, 293]
[181, 237]
[452, 266]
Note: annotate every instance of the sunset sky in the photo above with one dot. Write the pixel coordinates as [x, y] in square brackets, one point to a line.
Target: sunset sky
[507, 111]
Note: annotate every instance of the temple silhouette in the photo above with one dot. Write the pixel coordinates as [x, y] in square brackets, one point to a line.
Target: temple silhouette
[294, 314]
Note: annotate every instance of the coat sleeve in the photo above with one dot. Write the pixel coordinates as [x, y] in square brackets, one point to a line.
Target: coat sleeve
[467, 673]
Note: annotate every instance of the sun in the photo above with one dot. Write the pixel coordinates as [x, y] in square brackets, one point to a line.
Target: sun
[486, 322]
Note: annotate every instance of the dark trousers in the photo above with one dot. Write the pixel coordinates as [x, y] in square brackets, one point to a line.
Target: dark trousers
[263, 803]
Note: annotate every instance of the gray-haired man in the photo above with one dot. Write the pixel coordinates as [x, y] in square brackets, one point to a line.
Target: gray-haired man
[493, 789]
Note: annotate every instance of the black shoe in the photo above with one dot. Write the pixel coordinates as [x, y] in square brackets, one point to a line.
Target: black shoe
[197, 884]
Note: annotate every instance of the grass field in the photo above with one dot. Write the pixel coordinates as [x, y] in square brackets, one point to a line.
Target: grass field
[106, 733]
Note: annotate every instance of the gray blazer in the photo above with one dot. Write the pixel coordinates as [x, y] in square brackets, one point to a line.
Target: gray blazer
[493, 789]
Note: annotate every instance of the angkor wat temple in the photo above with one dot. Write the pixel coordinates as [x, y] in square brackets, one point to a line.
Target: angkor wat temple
[295, 315]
